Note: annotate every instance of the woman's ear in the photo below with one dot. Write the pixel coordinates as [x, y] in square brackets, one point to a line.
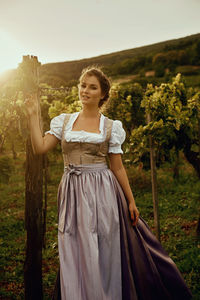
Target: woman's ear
[102, 95]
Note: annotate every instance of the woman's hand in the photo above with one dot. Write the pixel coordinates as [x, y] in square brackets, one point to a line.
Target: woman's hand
[31, 104]
[134, 213]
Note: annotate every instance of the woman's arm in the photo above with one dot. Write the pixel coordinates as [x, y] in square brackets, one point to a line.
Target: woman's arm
[117, 167]
[40, 144]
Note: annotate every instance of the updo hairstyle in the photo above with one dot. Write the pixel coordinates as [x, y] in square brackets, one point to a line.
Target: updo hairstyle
[102, 78]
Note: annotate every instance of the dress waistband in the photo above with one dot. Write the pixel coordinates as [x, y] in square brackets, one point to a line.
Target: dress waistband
[78, 169]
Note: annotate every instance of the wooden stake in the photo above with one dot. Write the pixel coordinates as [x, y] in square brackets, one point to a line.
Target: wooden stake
[33, 194]
[154, 183]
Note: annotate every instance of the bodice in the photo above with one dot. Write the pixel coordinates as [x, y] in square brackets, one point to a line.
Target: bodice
[78, 153]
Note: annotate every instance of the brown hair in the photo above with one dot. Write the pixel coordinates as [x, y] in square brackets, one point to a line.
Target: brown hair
[102, 78]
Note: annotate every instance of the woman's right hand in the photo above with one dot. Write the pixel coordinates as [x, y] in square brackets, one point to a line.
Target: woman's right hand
[31, 104]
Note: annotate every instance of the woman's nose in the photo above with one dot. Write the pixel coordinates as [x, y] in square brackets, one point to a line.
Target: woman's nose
[85, 89]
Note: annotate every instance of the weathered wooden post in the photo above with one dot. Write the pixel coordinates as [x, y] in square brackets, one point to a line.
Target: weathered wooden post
[154, 183]
[198, 224]
[33, 193]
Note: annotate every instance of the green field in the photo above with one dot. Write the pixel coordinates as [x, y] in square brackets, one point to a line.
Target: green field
[179, 208]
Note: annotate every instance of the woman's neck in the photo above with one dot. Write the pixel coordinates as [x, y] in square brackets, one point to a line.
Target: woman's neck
[90, 113]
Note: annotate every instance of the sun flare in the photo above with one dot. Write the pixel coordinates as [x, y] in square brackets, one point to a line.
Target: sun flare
[11, 52]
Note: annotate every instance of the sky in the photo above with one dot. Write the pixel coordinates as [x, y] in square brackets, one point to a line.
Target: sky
[64, 30]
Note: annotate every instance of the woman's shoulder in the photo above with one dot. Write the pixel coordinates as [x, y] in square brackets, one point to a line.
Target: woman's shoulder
[117, 137]
[59, 119]
[117, 130]
[56, 124]
[116, 124]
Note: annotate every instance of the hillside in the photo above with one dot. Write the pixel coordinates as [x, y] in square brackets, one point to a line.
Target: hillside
[152, 63]
[178, 52]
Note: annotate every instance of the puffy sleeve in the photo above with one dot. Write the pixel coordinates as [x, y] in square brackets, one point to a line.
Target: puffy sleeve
[117, 138]
[56, 126]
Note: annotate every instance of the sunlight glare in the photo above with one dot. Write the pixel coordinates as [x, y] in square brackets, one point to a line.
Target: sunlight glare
[11, 52]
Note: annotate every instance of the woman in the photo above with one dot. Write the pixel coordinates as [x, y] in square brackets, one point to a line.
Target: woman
[106, 251]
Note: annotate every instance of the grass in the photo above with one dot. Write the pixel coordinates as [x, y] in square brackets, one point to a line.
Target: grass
[179, 211]
[178, 207]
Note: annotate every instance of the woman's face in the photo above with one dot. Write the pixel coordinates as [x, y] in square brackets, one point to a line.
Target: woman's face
[90, 90]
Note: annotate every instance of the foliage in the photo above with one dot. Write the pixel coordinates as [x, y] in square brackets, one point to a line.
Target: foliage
[174, 121]
[13, 119]
[124, 105]
[9, 117]
[6, 168]
[65, 103]
[128, 66]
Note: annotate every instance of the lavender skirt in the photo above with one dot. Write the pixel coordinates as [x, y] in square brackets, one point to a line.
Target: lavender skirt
[102, 256]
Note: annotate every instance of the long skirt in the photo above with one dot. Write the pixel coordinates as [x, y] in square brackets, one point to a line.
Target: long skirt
[102, 255]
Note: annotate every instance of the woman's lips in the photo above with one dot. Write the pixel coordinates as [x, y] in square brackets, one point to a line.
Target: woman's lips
[85, 97]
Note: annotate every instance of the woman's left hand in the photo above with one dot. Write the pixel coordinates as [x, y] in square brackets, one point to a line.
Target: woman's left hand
[134, 213]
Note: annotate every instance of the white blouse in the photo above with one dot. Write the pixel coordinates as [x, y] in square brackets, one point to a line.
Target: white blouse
[118, 134]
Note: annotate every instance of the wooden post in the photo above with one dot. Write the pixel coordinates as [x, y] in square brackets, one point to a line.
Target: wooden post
[33, 193]
[198, 224]
[154, 183]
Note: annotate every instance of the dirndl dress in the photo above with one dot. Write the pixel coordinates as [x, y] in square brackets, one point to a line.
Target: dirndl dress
[102, 256]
